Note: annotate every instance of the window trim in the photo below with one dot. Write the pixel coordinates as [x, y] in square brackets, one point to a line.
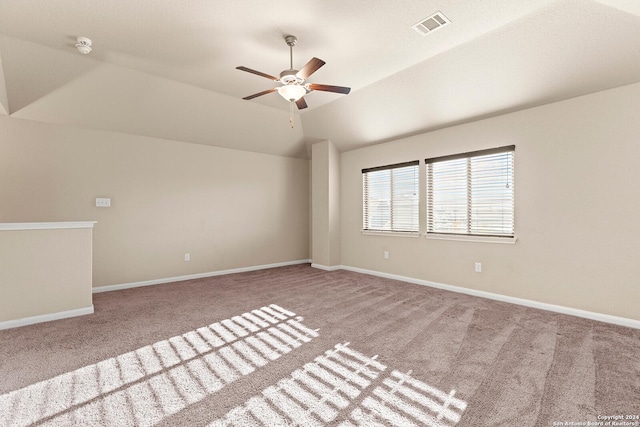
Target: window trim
[390, 233]
[474, 238]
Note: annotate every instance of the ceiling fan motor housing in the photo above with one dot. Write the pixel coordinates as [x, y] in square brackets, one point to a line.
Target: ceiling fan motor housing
[289, 77]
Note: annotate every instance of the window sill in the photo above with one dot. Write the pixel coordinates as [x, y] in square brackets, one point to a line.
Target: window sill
[476, 239]
[391, 233]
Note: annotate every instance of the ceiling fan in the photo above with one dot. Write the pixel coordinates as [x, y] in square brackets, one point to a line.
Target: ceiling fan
[293, 87]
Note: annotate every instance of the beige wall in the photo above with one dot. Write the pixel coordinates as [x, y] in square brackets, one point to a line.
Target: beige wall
[325, 204]
[4, 103]
[577, 181]
[319, 203]
[227, 208]
[334, 205]
[44, 272]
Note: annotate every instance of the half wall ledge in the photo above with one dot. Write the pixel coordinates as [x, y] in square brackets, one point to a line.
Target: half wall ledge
[45, 271]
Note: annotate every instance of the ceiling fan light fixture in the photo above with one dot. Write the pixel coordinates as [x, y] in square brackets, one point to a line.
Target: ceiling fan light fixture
[292, 92]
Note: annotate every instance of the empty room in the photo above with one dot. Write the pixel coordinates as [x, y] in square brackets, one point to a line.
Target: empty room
[320, 213]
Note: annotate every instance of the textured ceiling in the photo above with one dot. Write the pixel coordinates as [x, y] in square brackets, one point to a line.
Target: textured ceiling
[166, 69]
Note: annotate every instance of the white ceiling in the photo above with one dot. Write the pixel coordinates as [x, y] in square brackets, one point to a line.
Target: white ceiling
[166, 68]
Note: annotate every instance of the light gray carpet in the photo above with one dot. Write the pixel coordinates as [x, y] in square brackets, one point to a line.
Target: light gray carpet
[300, 346]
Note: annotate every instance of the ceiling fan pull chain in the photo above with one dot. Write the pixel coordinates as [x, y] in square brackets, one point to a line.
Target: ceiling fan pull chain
[291, 113]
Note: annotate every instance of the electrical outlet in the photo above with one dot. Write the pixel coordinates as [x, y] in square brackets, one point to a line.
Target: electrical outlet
[103, 202]
[187, 257]
[386, 254]
[478, 267]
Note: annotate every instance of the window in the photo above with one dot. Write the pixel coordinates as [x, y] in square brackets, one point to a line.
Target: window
[471, 193]
[390, 198]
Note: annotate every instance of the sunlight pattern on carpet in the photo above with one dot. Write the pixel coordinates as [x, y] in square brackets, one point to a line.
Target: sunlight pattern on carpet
[340, 382]
[144, 386]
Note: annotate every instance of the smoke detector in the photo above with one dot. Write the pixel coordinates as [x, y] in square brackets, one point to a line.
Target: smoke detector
[83, 45]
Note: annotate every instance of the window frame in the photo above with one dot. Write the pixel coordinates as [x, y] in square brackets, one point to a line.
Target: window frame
[482, 237]
[366, 222]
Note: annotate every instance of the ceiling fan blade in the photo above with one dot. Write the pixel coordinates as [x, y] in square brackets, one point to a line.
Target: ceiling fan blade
[329, 88]
[264, 92]
[310, 67]
[301, 103]
[249, 70]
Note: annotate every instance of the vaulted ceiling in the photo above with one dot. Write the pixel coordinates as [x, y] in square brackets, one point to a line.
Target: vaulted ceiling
[166, 68]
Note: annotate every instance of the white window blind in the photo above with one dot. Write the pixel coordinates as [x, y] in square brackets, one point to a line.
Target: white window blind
[390, 198]
[472, 193]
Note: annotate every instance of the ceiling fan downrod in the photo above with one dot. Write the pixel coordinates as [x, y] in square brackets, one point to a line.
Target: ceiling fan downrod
[291, 42]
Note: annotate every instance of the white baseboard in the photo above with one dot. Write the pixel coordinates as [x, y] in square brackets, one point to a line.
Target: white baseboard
[8, 324]
[109, 288]
[327, 267]
[622, 321]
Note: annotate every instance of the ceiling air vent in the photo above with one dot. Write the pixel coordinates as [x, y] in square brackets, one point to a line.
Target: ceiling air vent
[431, 23]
